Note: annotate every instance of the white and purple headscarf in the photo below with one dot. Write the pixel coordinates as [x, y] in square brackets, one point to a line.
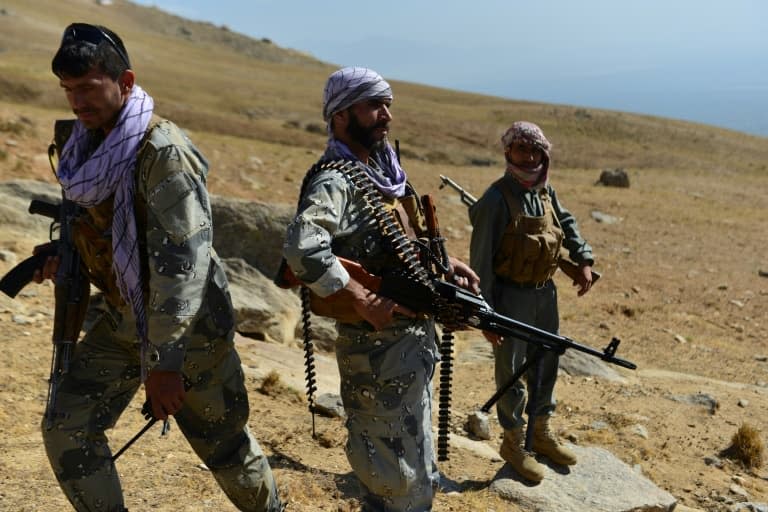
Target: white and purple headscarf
[529, 134]
[343, 89]
[91, 179]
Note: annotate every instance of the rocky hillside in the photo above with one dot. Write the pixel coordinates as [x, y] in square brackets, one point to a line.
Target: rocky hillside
[682, 252]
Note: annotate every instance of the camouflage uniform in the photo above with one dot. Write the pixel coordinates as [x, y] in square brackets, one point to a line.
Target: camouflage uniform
[534, 305]
[386, 374]
[191, 329]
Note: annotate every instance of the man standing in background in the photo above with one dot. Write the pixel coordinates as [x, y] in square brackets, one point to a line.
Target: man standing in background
[519, 227]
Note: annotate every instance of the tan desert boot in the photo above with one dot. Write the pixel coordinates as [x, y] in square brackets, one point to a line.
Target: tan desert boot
[513, 451]
[545, 443]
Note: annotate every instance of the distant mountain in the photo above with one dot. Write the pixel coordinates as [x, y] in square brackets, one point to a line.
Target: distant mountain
[210, 79]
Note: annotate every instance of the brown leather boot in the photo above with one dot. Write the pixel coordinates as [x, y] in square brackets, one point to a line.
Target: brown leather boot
[513, 451]
[545, 443]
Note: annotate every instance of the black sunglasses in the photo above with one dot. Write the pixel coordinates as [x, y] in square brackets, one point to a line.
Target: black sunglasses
[94, 35]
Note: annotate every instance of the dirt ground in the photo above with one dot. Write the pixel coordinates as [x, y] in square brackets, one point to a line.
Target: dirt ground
[682, 286]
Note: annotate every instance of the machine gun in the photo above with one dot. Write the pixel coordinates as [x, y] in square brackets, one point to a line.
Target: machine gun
[568, 267]
[458, 308]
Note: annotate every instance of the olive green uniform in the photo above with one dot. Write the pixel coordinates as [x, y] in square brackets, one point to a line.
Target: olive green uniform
[522, 291]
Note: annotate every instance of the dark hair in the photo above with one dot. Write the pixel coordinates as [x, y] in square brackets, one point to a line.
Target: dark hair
[85, 46]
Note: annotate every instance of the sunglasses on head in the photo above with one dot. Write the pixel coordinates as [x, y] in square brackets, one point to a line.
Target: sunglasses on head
[94, 35]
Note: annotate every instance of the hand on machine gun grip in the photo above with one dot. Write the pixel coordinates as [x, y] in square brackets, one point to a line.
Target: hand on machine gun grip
[463, 276]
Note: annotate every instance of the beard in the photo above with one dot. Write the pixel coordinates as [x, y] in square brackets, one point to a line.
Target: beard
[365, 135]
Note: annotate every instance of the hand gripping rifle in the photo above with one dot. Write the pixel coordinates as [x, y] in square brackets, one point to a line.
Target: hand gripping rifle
[568, 267]
[71, 290]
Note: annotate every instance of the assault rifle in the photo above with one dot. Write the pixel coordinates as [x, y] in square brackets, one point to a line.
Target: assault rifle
[568, 267]
[71, 290]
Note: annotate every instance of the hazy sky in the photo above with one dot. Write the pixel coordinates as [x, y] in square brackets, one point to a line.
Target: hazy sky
[701, 60]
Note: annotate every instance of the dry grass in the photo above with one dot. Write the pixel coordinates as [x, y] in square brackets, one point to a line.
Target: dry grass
[213, 81]
[747, 447]
[273, 386]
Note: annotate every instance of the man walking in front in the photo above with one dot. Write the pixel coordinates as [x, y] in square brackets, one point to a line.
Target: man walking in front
[145, 241]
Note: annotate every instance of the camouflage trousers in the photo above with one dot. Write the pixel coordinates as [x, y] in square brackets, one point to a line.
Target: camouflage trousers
[103, 378]
[537, 307]
[386, 390]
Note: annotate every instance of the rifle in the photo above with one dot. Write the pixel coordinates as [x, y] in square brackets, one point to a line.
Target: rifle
[568, 267]
[71, 290]
[21, 275]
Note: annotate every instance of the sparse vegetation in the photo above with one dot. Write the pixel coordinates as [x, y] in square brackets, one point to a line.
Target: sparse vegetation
[747, 447]
[680, 263]
[272, 386]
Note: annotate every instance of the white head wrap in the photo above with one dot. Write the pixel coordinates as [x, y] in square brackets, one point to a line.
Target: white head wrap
[351, 85]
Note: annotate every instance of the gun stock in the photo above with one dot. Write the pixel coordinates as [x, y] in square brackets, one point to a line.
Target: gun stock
[570, 269]
[21, 275]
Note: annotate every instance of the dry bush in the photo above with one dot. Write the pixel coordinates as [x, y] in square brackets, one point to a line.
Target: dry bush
[274, 387]
[746, 447]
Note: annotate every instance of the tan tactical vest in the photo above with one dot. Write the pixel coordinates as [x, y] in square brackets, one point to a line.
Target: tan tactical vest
[530, 246]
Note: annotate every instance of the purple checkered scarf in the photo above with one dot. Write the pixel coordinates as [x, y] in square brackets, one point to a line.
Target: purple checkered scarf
[91, 179]
[344, 88]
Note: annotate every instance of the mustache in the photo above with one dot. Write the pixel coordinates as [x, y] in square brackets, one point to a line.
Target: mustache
[380, 124]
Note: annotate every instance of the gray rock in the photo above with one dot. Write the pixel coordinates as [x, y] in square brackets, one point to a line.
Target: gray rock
[478, 425]
[712, 460]
[614, 178]
[15, 196]
[576, 363]
[330, 405]
[599, 483]
[703, 399]
[250, 230]
[750, 507]
[324, 332]
[604, 218]
[8, 257]
[739, 492]
[263, 311]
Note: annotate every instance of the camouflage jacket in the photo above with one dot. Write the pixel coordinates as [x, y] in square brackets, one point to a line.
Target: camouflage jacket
[180, 268]
[333, 219]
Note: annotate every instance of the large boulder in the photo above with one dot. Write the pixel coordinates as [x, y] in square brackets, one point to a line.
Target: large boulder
[614, 178]
[15, 197]
[250, 230]
[263, 311]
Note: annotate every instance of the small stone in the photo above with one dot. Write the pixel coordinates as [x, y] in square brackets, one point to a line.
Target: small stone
[640, 431]
[478, 425]
[712, 460]
[739, 491]
[743, 402]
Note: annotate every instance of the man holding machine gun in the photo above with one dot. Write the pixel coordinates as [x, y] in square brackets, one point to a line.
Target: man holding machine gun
[519, 227]
[356, 204]
[144, 238]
